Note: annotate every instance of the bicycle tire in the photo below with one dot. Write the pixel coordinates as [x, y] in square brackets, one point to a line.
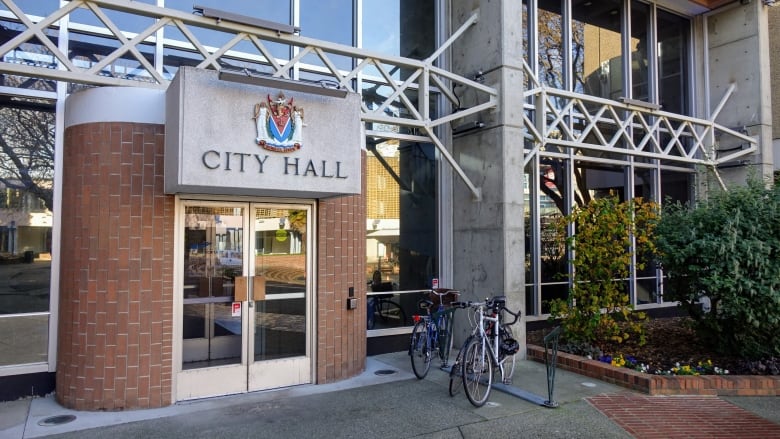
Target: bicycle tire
[477, 370]
[456, 372]
[420, 350]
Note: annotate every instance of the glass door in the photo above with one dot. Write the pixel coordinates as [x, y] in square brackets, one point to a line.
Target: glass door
[279, 299]
[245, 308]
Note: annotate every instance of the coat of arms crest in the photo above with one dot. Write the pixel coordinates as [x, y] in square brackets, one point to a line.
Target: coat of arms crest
[279, 124]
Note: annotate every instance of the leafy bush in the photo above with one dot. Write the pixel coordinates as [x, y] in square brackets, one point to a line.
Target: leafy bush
[724, 253]
[598, 309]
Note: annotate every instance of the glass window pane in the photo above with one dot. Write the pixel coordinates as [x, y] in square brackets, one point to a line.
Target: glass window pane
[550, 44]
[401, 214]
[126, 22]
[400, 27]
[640, 64]
[39, 8]
[597, 59]
[275, 11]
[270, 10]
[26, 202]
[30, 53]
[673, 37]
[329, 20]
[24, 339]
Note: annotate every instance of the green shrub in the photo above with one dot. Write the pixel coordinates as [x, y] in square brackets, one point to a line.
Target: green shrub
[598, 309]
[725, 253]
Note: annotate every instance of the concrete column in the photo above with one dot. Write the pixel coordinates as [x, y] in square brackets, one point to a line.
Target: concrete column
[774, 60]
[488, 235]
[738, 43]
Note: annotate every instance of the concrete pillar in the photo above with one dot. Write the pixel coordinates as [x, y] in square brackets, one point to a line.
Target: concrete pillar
[738, 44]
[488, 235]
[774, 60]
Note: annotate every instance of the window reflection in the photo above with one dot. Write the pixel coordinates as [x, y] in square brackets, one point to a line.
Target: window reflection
[401, 226]
[399, 27]
[329, 20]
[26, 203]
[597, 59]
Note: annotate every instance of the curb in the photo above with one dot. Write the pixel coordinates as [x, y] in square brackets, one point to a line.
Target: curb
[714, 385]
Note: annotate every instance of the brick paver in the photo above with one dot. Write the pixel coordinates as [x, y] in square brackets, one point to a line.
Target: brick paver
[670, 417]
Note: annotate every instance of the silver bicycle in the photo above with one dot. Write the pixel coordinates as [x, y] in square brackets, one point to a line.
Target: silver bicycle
[490, 347]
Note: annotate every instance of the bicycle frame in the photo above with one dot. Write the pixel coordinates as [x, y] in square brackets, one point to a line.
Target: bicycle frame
[490, 341]
[432, 334]
[484, 348]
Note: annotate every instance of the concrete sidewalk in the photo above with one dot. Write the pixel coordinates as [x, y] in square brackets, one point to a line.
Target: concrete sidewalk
[376, 404]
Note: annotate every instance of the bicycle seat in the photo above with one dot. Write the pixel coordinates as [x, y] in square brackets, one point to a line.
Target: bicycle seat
[425, 303]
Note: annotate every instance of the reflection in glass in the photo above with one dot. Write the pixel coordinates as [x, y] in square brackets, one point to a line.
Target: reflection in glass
[399, 27]
[39, 8]
[26, 203]
[640, 63]
[31, 53]
[401, 225]
[87, 50]
[673, 37]
[213, 257]
[126, 22]
[280, 246]
[212, 336]
[597, 60]
[24, 339]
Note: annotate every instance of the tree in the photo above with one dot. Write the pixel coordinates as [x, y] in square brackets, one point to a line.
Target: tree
[27, 151]
[608, 235]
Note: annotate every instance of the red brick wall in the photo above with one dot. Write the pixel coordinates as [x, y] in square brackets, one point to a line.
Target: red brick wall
[341, 254]
[116, 289]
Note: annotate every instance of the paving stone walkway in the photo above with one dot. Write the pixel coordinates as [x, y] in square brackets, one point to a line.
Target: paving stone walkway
[671, 417]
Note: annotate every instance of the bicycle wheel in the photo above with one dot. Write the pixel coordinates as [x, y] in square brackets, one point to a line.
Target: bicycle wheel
[456, 373]
[477, 372]
[420, 350]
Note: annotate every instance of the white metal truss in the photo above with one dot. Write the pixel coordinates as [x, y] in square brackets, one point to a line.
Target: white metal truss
[558, 118]
[423, 76]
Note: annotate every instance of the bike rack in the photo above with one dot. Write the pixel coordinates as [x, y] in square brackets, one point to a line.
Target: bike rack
[550, 362]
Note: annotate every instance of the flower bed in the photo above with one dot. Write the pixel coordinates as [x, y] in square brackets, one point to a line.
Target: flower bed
[725, 385]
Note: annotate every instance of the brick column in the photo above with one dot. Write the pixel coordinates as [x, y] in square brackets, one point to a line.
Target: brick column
[116, 287]
[341, 262]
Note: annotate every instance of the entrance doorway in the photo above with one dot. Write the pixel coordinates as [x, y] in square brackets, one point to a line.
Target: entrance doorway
[246, 289]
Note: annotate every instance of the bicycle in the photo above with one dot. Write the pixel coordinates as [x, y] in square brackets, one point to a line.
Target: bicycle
[432, 331]
[383, 307]
[490, 345]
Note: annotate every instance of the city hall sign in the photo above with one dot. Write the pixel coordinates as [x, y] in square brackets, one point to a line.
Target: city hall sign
[229, 137]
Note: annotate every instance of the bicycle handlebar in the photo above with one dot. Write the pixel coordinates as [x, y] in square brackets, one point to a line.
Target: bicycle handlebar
[497, 304]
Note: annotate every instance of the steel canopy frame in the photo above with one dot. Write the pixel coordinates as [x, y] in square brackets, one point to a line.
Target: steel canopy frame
[629, 128]
[424, 74]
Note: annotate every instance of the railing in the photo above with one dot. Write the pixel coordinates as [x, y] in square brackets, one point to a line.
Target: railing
[423, 77]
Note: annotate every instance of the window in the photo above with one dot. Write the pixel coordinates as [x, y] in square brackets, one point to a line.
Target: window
[26, 200]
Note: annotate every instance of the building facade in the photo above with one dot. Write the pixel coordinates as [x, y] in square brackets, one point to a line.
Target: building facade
[222, 198]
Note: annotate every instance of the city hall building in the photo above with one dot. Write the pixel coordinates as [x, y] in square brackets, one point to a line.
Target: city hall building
[219, 197]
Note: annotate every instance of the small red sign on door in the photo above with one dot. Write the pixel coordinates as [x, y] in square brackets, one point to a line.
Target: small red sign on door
[236, 309]
[435, 283]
